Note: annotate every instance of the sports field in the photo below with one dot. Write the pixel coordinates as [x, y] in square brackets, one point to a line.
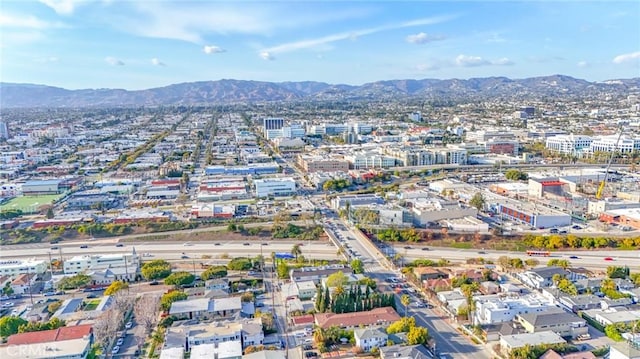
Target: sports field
[29, 204]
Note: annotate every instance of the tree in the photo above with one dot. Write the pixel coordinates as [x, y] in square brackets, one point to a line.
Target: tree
[214, 272]
[401, 326]
[515, 175]
[357, 266]
[180, 278]
[156, 269]
[146, 311]
[405, 300]
[240, 264]
[115, 287]
[231, 227]
[417, 335]
[562, 263]
[337, 279]
[168, 299]
[296, 251]
[282, 269]
[73, 282]
[49, 213]
[477, 201]
[617, 272]
[9, 325]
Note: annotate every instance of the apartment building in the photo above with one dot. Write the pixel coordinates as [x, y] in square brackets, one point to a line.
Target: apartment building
[311, 164]
[493, 309]
[120, 266]
[15, 267]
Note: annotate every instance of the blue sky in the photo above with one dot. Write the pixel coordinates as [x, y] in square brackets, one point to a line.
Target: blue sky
[150, 43]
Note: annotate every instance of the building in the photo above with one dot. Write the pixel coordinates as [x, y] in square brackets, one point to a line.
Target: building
[569, 144]
[107, 267]
[15, 267]
[206, 308]
[510, 342]
[378, 316]
[369, 338]
[23, 282]
[567, 325]
[405, 352]
[224, 350]
[355, 200]
[274, 187]
[311, 164]
[316, 274]
[73, 342]
[625, 350]
[41, 187]
[493, 309]
[272, 128]
[614, 143]
[244, 332]
[4, 130]
[537, 216]
[541, 277]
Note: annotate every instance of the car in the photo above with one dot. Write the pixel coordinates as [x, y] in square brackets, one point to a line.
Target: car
[576, 227]
[608, 258]
[574, 257]
[55, 248]
[216, 244]
[265, 244]
[147, 254]
[84, 246]
[563, 232]
[311, 355]
[155, 282]
[119, 245]
[91, 296]
[187, 244]
[482, 252]
[246, 244]
[128, 325]
[553, 230]
[8, 304]
[184, 257]
[407, 247]
[115, 350]
[60, 292]
[425, 248]
[49, 294]
[120, 342]
[307, 347]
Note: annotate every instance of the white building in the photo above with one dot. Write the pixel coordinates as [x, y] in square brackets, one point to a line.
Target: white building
[15, 267]
[274, 187]
[611, 143]
[369, 338]
[569, 144]
[364, 160]
[121, 266]
[492, 309]
[63, 349]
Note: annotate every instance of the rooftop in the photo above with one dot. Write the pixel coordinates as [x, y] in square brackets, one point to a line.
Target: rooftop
[375, 316]
[532, 339]
[60, 334]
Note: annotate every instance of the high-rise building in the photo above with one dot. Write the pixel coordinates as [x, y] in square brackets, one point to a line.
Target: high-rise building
[4, 130]
[273, 123]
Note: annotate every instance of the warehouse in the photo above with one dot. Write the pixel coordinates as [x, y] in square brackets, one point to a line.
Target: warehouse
[41, 187]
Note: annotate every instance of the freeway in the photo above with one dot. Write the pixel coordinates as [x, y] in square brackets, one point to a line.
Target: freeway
[588, 259]
[447, 338]
[172, 250]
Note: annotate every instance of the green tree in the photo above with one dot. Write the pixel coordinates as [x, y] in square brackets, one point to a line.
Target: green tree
[357, 266]
[9, 325]
[477, 201]
[401, 326]
[405, 300]
[562, 263]
[240, 264]
[77, 281]
[231, 227]
[337, 279]
[156, 269]
[116, 286]
[296, 251]
[617, 272]
[417, 335]
[214, 272]
[168, 298]
[180, 278]
[49, 213]
[282, 269]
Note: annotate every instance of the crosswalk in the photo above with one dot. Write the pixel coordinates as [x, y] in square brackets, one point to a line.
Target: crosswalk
[372, 267]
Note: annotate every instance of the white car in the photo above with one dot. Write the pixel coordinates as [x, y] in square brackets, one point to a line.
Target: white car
[187, 244]
[128, 325]
[120, 342]
[8, 304]
[115, 350]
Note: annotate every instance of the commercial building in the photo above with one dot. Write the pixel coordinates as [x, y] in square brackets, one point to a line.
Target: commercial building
[311, 164]
[493, 309]
[41, 187]
[615, 143]
[107, 268]
[250, 169]
[537, 215]
[569, 144]
[356, 200]
[15, 267]
[274, 187]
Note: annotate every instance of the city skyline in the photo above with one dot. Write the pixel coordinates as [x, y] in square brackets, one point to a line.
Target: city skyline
[139, 45]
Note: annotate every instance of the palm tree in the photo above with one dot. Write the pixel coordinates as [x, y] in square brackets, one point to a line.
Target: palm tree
[295, 250]
[339, 290]
[405, 300]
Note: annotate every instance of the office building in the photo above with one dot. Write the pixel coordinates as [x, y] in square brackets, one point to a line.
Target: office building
[15, 267]
[275, 187]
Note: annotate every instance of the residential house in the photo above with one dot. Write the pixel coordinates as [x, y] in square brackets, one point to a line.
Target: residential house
[437, 285]
[541, 277]
[223, 350]
[369, 338]
[306, 289]
[316, 274]
[266, 354]
[377, 316]
[555, 319]
[23, 282]
[489, 287]
[551, 354]
[426, 273]
[624, 350]
[577, 303]
[206, 308]
[405, 352]
[188, 334]
[510, 342]
[73, 342]
[492, 309]
[217, 284]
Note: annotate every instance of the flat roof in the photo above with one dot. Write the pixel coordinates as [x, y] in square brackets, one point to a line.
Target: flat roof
[59, 349]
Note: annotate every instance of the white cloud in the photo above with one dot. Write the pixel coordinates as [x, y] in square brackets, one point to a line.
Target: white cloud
[312, 43]
[212, 49]
[473, 61]
[583, 64]
[26, 22]
[266, 55]
[113, 61]
[470, 61]
[626, 57]
[61, 7]
[156, 62]
[423, 38]
[44, 60]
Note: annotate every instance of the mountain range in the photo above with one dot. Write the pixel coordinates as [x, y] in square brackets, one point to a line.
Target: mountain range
[14, 95]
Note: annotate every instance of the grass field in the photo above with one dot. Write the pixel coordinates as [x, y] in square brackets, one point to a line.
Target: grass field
[92, 305]
[29, 204]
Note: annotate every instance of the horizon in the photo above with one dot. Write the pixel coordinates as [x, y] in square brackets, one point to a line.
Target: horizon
[75, 44]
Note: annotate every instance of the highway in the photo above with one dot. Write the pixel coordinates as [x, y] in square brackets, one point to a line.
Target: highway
[588, 259]
[171, 250]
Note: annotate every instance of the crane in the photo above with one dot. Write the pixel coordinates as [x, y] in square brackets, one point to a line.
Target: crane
[606, 173]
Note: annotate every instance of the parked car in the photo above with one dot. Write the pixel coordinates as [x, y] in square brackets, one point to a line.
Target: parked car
[184, 257]
[115, 350]
[307, 347]
[128, 325]
[120, 342]
[154, 282]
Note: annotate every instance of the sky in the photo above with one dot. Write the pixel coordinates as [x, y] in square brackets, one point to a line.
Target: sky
[139, 44]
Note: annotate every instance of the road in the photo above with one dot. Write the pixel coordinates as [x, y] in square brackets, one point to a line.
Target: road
[172, 250]
[587, 259]
[448, 339]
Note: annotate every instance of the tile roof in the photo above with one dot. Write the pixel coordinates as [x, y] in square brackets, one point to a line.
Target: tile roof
[53, 335]
[374, 316]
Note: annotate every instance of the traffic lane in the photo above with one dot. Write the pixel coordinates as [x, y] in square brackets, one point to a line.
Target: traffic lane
[448, 339]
